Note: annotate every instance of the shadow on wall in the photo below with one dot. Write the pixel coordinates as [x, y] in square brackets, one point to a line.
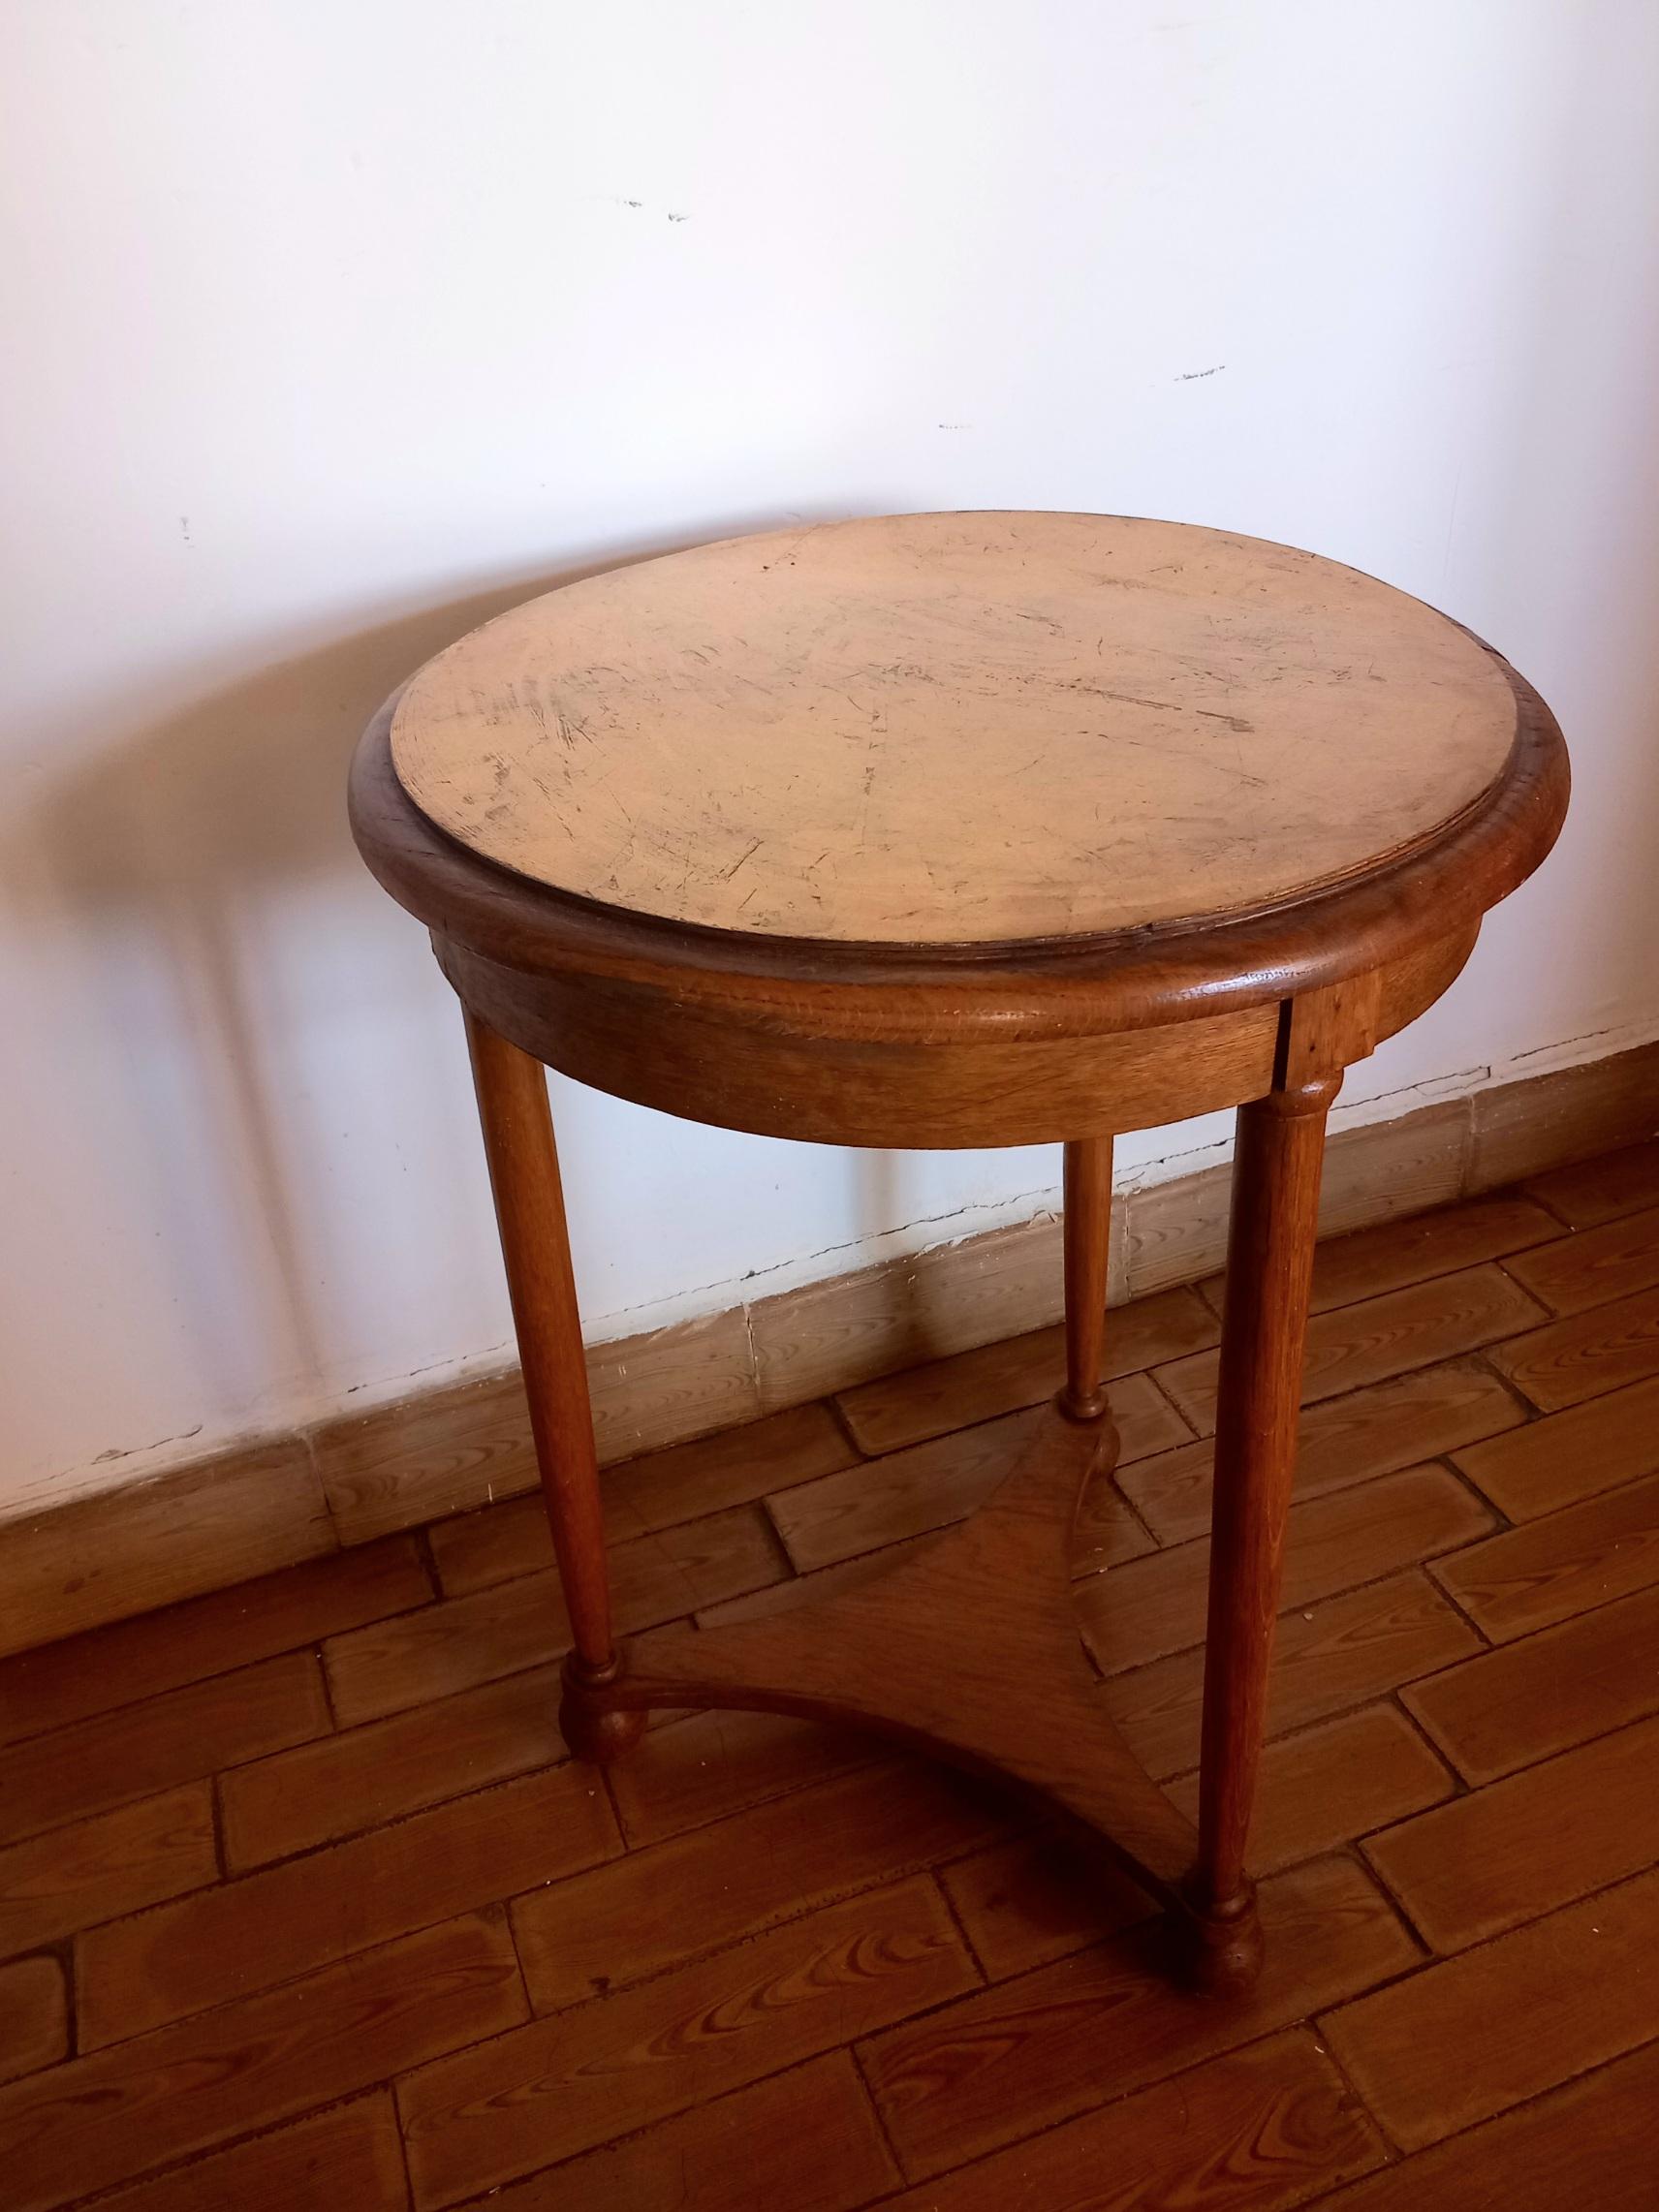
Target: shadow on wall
[165, 861]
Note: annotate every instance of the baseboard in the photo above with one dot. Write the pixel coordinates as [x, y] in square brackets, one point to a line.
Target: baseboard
[221, 1521]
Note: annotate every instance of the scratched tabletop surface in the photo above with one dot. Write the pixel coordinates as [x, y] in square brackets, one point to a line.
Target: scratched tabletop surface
[956, 729]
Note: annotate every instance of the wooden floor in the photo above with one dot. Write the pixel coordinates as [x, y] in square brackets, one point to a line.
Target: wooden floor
[301, 1907]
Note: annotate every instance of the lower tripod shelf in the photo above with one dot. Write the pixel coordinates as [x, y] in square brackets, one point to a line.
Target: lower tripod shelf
[967, 1650]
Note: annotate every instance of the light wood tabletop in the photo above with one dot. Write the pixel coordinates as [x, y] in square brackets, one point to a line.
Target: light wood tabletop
[958, 728]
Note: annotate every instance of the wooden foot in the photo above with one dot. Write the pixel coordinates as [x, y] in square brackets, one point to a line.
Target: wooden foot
[1219, 1952]
[968, 1650]
[593, 1728]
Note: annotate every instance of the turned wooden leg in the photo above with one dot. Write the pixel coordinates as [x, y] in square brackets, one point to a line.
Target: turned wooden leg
[529, 1207]
[1087, 1243]
[1269, 1268]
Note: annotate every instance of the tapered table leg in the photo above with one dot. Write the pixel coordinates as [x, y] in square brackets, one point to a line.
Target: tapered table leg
[1087, 1246]
[529, 1208]
[1270, 1268]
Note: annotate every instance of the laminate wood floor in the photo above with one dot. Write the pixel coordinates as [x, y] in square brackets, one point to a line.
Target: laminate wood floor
[303, 1910]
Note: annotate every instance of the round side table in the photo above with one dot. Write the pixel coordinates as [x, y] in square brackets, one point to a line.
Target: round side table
[962, 831]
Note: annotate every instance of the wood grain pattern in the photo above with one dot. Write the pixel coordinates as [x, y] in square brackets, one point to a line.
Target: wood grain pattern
[1028, 2053]
[1531, 1576]
[562, 2084]
[1155, 1604]
[147, 2101]
[931, 1486]
[1597, 1350]
[117, 1862]
[1573, 1454]
[1612, 1262]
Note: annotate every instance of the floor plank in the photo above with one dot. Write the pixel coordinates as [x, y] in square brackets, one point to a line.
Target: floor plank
[1504, 1709]
[1345, 1651]
[1590, 2144]
[682, 1984]
[34, 2017]
[737, 1467]
[1352, 1346]
[1334, 1782]
[1567, 1562]
[1262, 2128]
[141, 1853]
[1474, 1867]
[140, 1750]
[510, 1627]
[715, 1765]
[1417, 1247]
[340, 1785]
[348, 2159]
[1521, 2014]
[656, 1576]
[1592, 1351]
[1345, 1440]
[657, 1909]
[973, 1386]
[1593, 1191]
[105, 1668]
[1591, 1269]
[930, 1485]
[1156, 1605]
[150, 2101]
[1030, 2053]
[578, 2078]
[139, 1973]
[806, 2140]
[1038, 1897]
[1566, 1456]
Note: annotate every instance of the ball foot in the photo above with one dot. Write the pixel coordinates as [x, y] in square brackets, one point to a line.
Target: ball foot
[595, 1732]
[1220, 1948]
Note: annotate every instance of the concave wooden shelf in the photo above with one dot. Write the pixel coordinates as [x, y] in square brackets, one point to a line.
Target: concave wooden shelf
[968, 1649]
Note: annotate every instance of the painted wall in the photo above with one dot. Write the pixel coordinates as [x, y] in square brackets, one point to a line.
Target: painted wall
[331, 328]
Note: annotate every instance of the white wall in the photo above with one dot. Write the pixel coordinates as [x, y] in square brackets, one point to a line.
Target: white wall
[329, 328]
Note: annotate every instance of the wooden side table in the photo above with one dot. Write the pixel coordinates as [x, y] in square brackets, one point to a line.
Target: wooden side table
[962, 831]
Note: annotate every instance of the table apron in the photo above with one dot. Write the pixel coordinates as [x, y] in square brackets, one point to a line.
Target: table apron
[705, 1065]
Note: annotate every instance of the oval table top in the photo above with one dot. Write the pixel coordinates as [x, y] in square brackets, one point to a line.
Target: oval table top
[958, 730]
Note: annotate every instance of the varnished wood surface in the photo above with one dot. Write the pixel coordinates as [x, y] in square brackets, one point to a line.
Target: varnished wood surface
[956, 729]
[405, 1957]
